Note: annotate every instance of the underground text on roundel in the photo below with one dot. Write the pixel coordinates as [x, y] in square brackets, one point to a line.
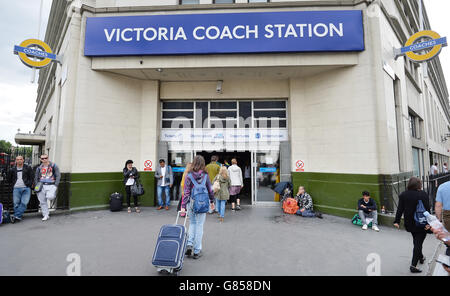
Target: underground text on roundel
[297, 31]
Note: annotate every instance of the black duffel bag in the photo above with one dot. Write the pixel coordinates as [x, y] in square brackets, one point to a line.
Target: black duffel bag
[115, 202]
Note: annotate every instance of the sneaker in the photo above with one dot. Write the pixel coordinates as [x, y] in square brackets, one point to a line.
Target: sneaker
[167, 208]
[46, 218]
[17, 218]
[198, 255]
[364, 227]
[374, 227]
[319, 215]
[160, 208]
[238, 207]
[233, 210]
[414, 269]
[188, 251]
[422, 261]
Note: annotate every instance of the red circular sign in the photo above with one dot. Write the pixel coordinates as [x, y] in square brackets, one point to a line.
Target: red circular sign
[299, 164]
[148, 164]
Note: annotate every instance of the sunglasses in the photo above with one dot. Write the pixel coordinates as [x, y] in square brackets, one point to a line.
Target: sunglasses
[43, 158]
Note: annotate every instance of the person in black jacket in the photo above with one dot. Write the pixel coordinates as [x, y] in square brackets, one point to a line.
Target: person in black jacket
[130, 176]
[20, 178]
[367, 208]
[407, 205]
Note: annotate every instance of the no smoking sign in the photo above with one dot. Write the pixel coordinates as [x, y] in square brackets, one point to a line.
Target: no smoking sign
[148, 165]
[299, 166]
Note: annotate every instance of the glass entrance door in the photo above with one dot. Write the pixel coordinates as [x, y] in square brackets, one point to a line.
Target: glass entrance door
[178, 161]
[266, 172]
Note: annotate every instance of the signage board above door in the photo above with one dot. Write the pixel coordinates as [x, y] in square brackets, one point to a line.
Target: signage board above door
[211, 33]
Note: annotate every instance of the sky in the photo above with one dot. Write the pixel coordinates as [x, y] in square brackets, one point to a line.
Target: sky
[19, 21]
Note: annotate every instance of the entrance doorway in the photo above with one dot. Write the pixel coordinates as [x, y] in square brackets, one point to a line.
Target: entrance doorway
[260, 171]
[243, 161]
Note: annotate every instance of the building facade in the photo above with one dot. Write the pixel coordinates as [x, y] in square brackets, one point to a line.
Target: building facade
[336, 121]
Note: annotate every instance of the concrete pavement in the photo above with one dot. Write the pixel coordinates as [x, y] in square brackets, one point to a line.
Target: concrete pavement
[253, 241]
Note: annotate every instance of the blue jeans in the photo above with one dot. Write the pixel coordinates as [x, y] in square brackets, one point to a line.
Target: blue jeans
[306, 213]
[221, 207]
[21, 197]
[196, 222]
[167, 193]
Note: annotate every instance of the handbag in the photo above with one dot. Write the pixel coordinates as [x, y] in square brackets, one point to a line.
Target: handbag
[137, 188]
[38, 187]
[216, 186]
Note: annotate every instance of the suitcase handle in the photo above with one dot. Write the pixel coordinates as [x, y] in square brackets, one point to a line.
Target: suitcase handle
[178, 215]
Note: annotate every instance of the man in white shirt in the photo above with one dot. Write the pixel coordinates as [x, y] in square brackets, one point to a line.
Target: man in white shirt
[434, 169]
[445, 168]
[164, 177]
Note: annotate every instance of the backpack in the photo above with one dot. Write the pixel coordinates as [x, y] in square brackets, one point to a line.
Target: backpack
[290, 206]
[199, 195]
[419, 217]
[356, 220]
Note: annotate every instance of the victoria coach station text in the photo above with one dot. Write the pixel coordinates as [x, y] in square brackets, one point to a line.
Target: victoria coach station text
[268, 31]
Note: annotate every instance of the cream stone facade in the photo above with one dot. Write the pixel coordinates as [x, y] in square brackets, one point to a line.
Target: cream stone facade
[349, 113]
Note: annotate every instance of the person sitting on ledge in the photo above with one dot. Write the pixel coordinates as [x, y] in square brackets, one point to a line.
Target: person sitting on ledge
[367, 208]
[306, 204]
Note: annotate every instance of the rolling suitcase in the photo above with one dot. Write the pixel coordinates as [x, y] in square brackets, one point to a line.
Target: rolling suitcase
[170, 247]
[115, 202]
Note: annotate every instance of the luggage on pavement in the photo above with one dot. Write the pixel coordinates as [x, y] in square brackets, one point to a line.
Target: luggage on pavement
[356, 220]
[170, 248]
[290, 206]
[5, 216]
[115, 202]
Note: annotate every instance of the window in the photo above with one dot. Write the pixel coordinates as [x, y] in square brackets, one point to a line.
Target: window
[257, 1]
[416, 160]
[270, 114]
[182, 2]
[415, 125]
[223, 1]
[177, 115]
[412, 125]
[224, 114]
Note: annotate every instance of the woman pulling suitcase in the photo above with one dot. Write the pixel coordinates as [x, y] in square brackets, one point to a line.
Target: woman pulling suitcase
[194, 194]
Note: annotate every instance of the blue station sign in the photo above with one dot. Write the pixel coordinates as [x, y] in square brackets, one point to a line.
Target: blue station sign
[255, 32]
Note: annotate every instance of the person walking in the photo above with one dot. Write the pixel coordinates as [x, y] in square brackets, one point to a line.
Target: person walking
[183, 180]
[47, 179]
[434, 169]
[445, 168]
[196, 220]
[247, 179]
[235, 174]
[408, 201]
[442, 205]
[164, 176]
[223, 193]
[213, 169]
[130, 177]
[21, 179]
